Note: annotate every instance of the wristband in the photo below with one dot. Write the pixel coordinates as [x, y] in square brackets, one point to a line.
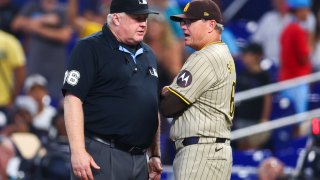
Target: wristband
[154, 156]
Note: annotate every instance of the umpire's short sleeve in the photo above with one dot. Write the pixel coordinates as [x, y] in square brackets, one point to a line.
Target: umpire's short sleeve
[80, 73]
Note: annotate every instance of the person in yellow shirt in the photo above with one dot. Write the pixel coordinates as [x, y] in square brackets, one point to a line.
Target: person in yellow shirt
[86, 24]
[12, 69]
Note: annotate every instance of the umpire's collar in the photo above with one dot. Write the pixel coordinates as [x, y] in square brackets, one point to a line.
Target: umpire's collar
[112, 40]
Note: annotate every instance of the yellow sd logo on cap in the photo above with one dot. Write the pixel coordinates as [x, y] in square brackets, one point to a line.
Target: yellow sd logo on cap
[186, 8]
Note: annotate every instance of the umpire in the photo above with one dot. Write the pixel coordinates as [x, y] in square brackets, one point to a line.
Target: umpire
[201, 97]
[111, 99]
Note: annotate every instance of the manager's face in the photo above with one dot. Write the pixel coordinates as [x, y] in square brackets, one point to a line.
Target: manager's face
[194, 32]
[133, 28]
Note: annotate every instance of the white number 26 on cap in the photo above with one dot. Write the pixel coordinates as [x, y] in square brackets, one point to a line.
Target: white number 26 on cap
[71, 77]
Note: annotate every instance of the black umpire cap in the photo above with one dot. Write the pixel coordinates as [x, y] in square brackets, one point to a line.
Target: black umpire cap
[131, 7]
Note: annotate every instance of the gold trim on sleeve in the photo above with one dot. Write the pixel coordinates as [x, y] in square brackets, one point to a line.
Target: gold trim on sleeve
[181, 97]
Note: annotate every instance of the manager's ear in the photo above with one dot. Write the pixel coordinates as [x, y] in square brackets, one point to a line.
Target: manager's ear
[212, 25]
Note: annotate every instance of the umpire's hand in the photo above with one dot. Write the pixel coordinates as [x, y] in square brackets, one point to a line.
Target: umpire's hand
[155, 168]
[81, 165]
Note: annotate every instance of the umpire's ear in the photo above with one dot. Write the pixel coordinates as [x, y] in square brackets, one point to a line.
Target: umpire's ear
[116, 18]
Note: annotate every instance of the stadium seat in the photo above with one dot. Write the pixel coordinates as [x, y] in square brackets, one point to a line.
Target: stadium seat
[314, 97]
[290, 154]
[167, 173]
[281, 137]
[245, 163]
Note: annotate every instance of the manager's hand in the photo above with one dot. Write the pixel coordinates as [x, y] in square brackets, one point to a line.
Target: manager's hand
[81, 165]
[155, 168]
[165, 90]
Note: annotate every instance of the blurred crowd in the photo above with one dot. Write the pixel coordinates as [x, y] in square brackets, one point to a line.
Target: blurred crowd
[36, 37]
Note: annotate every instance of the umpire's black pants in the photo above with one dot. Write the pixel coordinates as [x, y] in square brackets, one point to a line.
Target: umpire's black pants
[115, 164]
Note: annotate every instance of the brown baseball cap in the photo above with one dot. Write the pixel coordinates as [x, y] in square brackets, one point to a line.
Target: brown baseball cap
[200, 9]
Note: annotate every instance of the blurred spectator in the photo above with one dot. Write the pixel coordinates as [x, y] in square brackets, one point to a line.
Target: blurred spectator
[56, 163]
[7, 13]
[270, 27]
[295, 54]
[20, 131]
[229, 38]
[28, 149]
[316, 54]
[272, 169]
[12, 69]
[309, 25]
[7, 151]
[256, 110]
[168, 51]
[168, 8]
[90, 22]
[46, 24]
[36, 87]
[59, 125]
[21, 117]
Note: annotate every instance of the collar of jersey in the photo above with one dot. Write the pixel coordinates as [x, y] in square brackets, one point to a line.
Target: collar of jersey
[216, 42]
[134, 56]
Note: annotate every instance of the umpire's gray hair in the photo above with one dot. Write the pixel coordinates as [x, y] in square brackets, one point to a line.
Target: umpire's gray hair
[109, 18]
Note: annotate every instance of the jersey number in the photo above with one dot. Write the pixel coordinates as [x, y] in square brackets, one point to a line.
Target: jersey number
[232, 105]
[71, 77]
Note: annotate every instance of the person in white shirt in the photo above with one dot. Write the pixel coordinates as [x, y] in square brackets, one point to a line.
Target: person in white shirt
[269, 29]
[36, 87]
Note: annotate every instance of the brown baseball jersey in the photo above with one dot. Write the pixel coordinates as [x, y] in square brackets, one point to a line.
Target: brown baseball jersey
[207, 83]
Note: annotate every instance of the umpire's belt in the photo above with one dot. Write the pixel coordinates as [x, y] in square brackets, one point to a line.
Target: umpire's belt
[113, 144]
[199, 140]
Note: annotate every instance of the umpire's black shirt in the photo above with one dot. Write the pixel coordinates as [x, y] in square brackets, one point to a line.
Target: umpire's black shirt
[119, 96]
